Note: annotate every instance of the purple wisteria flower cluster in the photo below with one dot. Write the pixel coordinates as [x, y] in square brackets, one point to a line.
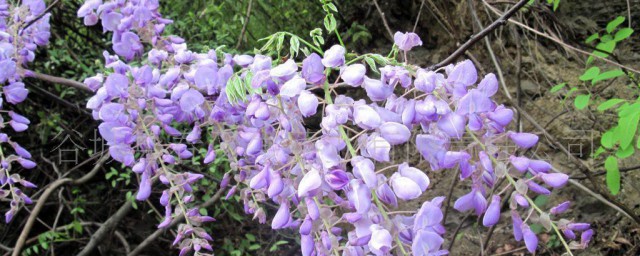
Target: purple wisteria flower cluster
[341, 193]
[23, 29]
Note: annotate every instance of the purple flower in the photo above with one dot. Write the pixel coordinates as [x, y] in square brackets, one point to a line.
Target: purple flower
[492, 215]
[560, 208]
[415, 175]
[427, 81]
[452, 124]
[145, 187]
[378, 148]
[359, 196]
[206, 78]
[429, 215]
[7, 68]
[517, 225]
[309, 183]
[555, 180]
[380, 243]
[313, 70]
[337, 179]
[524, 140]
[307, 103]
[464, 74]
[539, 166]
[386, 195]
[363, 168]
[406, 41]
[293, 87]
[376, 90]
[433, 149]
[366, 117]
[427, 243]
[307, 245]
[284, 70]
[122, 153]
[15, 92]
[128, 46]
[282, 217]
[530, 238]
[409, 183]
[501, 115]
[334, 57]
[585, 238]
[110, 21]
[521, 163]
[353, 74]
[394, 133]
[191, 100]
[472, 200]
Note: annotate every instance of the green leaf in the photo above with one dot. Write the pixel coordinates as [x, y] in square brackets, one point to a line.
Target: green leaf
[607, 75]
[590, 73]
[254, 247]
[605, 48]
[77, 227]
[329, 22]
[372, 64]
[623, 153]
[250, 237]
[608, 139]
[582, 101]
[556, 3]
[622, 34]
[280, 42]
[541, 200]
[612, 25]
[332, 7]
[606, 38]
[557, 87]
[615, 23]
[609, 104]
[613, 175]
[626, 130]
[592, 37]
[295, 46]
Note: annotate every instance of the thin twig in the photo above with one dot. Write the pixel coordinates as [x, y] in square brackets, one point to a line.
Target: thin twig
[415, 25]
[455, 233]
[43, 198]
[490, 50]
[449, 195]
[560, 42]
[123, 240]
[475, 38]
[244, 26]
[384, 20]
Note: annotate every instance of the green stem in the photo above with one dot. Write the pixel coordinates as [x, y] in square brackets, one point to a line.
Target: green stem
[313, 47]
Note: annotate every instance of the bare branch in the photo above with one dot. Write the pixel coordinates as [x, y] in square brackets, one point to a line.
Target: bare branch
[43, 198]
[61, 80]
[475, 38]
[384, 20]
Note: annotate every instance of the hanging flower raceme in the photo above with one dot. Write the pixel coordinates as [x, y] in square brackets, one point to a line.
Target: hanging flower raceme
[23, 28]
[335, 184]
